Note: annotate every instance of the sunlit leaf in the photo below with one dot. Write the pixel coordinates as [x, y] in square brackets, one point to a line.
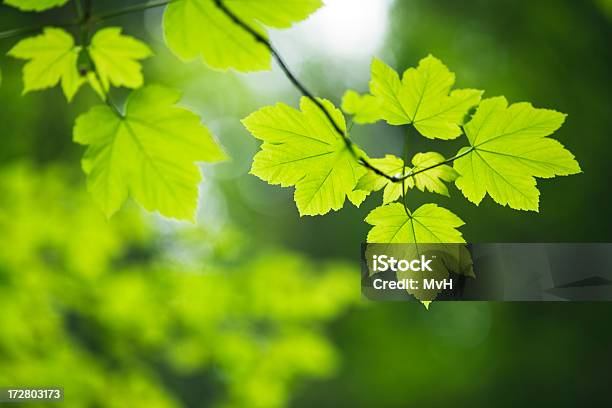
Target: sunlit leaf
[52, 58]
[432, 179]
[509, 147]
[200, 28]
[429, 176]
[35, 5]
[302, 149]
[422, 98]
[390, 165]
[365, 108]
[148, 153]
[432, 230]
[429, 224]
[116, 58]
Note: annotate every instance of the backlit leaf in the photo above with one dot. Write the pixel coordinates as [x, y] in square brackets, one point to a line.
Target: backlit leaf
[52, 58]
[429, 180]
[35, 5]
[200, 28]
[432, 230]
[422, 97]
[391, 165]
[148, 153]
[116, 58]
[509, 147]
[365, 108]
[302, 149]
[429, 224]
[434, 178]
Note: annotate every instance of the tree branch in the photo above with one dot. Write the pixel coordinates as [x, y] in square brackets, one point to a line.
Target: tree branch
[17, 32]
[86, 19]
[81, 12]
[447, 161]
[303, 90]
[131, 9]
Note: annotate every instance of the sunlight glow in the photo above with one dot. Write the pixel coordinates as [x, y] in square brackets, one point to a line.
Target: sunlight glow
[346, 29]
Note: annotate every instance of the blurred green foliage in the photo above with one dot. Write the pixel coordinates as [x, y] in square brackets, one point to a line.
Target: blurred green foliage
[126, 308]
[101, 308]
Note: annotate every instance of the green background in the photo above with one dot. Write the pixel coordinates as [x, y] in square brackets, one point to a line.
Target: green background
[255, 306]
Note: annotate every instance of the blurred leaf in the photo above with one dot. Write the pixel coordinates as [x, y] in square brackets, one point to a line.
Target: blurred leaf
[302, 149]
[35, 5]
[508, 149]
[200, 28]
[365, 108]
[149, 152]
[53, 57]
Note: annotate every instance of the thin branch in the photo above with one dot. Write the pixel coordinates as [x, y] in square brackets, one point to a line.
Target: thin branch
[86, 19]
[303, 90]
[18, 32]
[78, 5]
[447, 161]
[131, 9]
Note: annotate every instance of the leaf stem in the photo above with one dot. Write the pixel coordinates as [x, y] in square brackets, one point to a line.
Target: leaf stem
[405, 160]
[78, 5]
[106, 95]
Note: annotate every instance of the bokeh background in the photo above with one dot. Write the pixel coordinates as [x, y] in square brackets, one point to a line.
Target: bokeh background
[257, 307]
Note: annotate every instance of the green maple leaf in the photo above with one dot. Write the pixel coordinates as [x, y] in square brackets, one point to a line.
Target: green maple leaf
[429, 224]
[116, 58]
[53, 58]
[432, 230]
[364, 108]
[422, 98]
[390, 165]
[199, 28]
[432, 179]
[509, 147]
[148, 153]
[35, 5]
[302, 149]
[429, 180]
